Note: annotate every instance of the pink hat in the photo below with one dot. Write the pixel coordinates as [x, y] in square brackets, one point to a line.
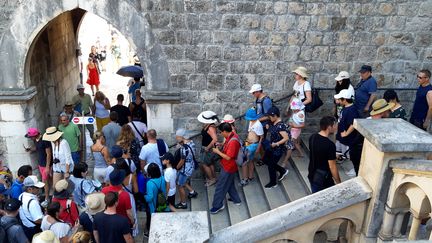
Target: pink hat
[32, 132]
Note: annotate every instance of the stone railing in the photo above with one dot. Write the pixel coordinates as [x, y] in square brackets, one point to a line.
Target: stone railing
[409, 196]
[300, 220]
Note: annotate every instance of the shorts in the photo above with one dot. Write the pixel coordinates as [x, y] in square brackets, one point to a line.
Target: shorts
[42, 172]
[295, 132]
[171, 200]
[251, 150]
[207, 157]
[99, 174]
[182, 179]
[341, 149]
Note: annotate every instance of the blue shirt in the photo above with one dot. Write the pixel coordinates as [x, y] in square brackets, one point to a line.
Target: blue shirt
[153, 185]
[16, 189]
[363, 91]
[346, 119]
[421, 106]
[262, 106]
[132, 89]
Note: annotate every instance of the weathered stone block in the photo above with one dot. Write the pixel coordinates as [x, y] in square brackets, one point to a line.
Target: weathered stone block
[268, 23]
[215, 107]
[250, 53]
[343, 38]
[315, 8]
[158, 19]
[264, 8]
[165, 36]
[246, 81]
[280, 7]
[239, 37]
[219, 67]
[333, 9]
[320, 53]
[174, 52]
[186, 67]
[198, 81]
[251, 21]
[296, 8]
[291, 53]
[418, 24]
[295, 38]
[192, 21]
[224, 96]
[313, 38]
[207, 97]
[203, 66]
[195, 52]
[214, 52]
[215, 82]
[186, 109]
[221, 37]
[245, 7]
[179, 81]
[395, 22]
[271, 53]
[183, 37]
[189, 96]
[201, 37]
[286, 22]
[209, 21]
[178, 21]
[386, 8]
[400, 38]
[226, 7]
[232, 53]
[232, 82]
[258, 38]
[337, 53]
[231, 21]
[367, 53]
[423, 39]
[198, 6]
[303, 23]
[338, 23]
[237, 67]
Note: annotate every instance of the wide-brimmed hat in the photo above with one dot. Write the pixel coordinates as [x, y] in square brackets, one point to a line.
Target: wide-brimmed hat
[52, 134]
[228, 119]
[345, 94]
[207, 117]
[251, 115]
[46, 236]
[296, 104]
[95, 202]
[32, 132]
[379, 106]
[342, 75]
[302, 71]
[255, 88]
[63, 188]
[33, 181]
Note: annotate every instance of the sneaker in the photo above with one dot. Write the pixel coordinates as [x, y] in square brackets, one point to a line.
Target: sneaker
[243, 182]
[210, 183]
[217, 210]
[193, 195]
[238, 203]
[146, 235]
[181, 206]
[44, 204]
[351, 173]
[282, 176]
[270, 185]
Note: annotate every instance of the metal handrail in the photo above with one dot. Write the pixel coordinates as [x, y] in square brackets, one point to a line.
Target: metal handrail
[241, 116]
[396, 89]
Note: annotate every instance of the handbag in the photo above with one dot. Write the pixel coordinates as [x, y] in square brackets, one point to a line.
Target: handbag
[319, 177]
[315, 103]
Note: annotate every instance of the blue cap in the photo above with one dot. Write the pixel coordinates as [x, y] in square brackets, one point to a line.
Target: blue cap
[251, 115]
[116, 151]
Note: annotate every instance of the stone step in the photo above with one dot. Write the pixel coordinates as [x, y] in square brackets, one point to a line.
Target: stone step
[275, 197]
[237, 213]
[300, 166]
[293, 185]
[200, 203]
[220, 220]
[255, 198]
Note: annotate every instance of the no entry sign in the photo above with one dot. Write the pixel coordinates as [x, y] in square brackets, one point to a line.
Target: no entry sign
[83, 120]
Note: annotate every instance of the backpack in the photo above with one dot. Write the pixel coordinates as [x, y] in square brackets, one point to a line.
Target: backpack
[257, 101]
[177, 157]
[161, 203]
[241, 155]
[4, 229]
[68, 218]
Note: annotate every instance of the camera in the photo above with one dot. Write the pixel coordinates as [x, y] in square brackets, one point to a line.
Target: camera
[55, 161]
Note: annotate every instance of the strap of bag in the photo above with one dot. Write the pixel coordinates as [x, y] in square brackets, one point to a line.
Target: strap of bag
[136, 129]
[193, 154]
[28, 209]
[161, 147]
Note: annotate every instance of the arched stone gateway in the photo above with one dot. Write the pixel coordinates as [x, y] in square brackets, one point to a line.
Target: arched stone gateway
[33, 82]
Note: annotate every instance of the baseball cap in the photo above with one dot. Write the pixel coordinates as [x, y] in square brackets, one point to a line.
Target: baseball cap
[181, 132]
[80, 86]
[255, 87]
[342, 75]
[32, 180]
[365, 68]
[168, 156]
[116, 151]
[345, 93]
[12, 204]
[32, 132]
[273, 111]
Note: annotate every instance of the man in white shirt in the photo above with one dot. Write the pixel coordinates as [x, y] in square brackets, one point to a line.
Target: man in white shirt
[150, 152]
[139, 128]
[31, 212]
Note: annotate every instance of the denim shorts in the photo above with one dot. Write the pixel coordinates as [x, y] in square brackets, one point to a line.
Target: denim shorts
[182, 179]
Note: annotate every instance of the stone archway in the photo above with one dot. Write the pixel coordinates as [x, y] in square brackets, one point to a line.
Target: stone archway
[17, 46]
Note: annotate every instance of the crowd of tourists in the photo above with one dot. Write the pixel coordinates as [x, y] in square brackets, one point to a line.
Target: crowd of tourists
[134, 170]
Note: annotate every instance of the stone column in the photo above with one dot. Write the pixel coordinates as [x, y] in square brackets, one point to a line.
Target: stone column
[414, 228]
[398, 224]
[388, 222]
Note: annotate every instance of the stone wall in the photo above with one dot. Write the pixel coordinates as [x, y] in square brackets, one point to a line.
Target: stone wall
[217, 49]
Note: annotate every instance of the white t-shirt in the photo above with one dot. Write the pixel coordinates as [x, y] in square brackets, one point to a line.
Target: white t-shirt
[63, 153]
[28, 212]
[257, 128]
[141, 127]
[171, 176]
[60, 229]
[301, 89]
[150, 154]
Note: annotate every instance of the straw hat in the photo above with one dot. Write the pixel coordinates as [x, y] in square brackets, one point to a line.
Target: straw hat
[52, 134]
[46, 236]
[207, 117]
[95, 203]
[379, 106]
[302, 71]
[228, 119]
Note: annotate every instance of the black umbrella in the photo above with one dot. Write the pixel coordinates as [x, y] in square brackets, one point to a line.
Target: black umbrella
[131, 71]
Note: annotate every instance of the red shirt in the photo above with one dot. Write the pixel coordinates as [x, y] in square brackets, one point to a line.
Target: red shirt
[68, 215]
[231, 148]
[124, 202]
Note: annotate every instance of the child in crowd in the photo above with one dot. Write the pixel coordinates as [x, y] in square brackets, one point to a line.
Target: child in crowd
[17, 185]
[170, 175]
[296, 122]
[253, 145]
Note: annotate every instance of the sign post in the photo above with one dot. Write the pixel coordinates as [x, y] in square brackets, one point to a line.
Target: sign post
[83, 120]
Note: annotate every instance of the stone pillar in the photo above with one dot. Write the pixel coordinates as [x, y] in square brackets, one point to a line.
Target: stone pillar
[414, 228]
[388, 222]
[385, 140]
[398, 224]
